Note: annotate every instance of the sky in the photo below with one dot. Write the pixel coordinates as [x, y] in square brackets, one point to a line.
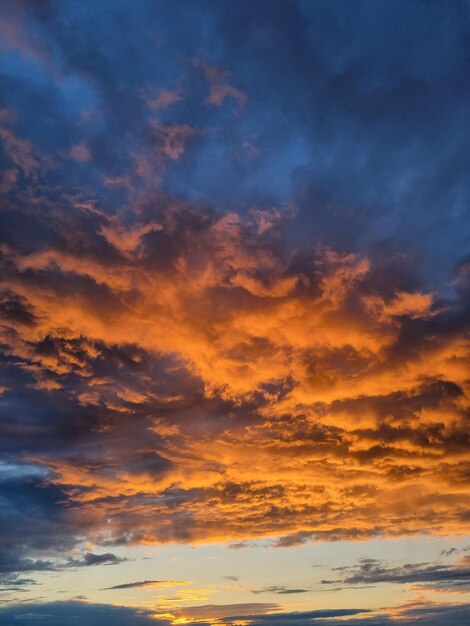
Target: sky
[234, 312]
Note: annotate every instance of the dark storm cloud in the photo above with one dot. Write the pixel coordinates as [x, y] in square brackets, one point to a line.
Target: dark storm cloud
[370, 134]
[28, 500]
[225, 613]
[12, 582]
[412, 614]
[295, 539]
[425, 614]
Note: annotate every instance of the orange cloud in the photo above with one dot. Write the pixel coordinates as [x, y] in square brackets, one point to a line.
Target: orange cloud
[238, 392]
[165, 98]
[171, 138]
[220, 89]
[80, 152]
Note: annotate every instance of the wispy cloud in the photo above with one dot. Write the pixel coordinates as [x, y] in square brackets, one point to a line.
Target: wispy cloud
[281, 590]
[148, 583]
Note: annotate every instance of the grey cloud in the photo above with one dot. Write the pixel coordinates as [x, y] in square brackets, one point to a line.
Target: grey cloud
[449, 552]
[300, 617]
[90, 559]
[145, 583]
[436, 575]
[281, 590]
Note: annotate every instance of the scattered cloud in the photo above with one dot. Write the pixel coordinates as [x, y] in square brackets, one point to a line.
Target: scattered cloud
[164, 99]
[90, 559]
[220, 327]
[80, 152]
[280, 590]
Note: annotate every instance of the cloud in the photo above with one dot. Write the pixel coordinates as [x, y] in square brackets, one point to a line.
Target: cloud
[201, 347]
[435, 576]
[90, 559]
[197, 318]
[80, 152]
[281, 590]
[165, 98]
[60, 613]
[240, 545]
[417, 612]
[430, 613]
[148, 583]
[226, 612]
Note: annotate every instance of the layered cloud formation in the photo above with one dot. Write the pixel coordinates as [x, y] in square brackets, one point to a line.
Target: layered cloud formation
[235, 285]
[202, 383]
[412, 614]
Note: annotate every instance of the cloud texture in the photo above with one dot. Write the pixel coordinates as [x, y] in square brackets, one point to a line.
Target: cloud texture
[235, 282]
[179, 358]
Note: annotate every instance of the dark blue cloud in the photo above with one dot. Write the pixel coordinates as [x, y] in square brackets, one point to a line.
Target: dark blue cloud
[62, 613]
[433, 575]
[349, 112]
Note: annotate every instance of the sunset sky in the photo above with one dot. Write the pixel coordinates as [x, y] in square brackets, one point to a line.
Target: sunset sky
[234, 312]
